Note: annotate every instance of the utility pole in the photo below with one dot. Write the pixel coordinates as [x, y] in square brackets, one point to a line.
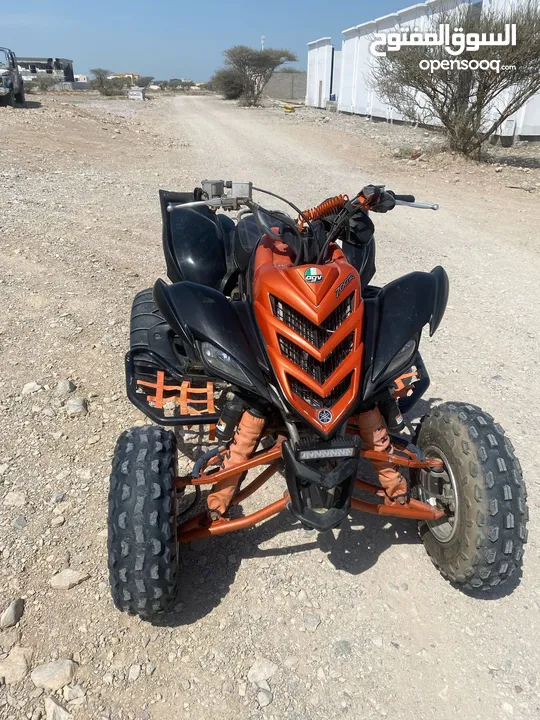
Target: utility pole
[262, 42]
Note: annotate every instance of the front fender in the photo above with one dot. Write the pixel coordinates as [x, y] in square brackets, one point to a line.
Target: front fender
[396, 315]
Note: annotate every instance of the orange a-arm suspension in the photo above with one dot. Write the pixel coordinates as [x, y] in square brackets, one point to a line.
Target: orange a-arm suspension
[202, 526]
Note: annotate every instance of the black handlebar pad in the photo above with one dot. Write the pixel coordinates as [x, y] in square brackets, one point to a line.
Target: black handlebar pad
[405, 198]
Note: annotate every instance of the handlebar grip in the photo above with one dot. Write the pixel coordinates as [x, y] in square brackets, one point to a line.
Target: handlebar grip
[405, 198]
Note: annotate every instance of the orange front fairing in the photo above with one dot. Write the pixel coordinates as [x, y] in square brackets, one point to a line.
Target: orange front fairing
[311, 318]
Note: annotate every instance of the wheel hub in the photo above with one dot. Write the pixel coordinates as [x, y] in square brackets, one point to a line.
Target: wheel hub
[447, 496]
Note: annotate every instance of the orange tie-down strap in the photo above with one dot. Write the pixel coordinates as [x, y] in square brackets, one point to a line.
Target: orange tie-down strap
[183, 395]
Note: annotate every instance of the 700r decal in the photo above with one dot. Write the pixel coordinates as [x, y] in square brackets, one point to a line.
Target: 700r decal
[343, 285]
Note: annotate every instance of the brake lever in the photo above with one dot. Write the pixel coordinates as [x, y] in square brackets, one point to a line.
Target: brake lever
[422, 206]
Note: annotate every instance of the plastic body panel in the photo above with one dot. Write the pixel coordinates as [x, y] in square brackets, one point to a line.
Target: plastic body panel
[395, 315]
[195, 249]
[199, 313]
[363, 259]
[276, 279]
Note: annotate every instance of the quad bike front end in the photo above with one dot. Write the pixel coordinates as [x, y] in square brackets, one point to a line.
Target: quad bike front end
[288, 364]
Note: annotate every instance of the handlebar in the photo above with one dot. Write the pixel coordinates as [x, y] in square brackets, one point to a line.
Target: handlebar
[405, 198]
[241, 196]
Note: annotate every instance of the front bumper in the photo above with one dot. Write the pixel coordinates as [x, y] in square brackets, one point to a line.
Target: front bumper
[321, 498]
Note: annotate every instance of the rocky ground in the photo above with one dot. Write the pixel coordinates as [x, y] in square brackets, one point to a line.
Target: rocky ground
[274, 622]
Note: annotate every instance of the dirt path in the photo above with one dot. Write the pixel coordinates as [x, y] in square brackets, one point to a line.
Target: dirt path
[358, 622]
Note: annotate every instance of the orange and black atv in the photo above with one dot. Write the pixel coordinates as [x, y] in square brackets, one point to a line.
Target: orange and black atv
[272, 338]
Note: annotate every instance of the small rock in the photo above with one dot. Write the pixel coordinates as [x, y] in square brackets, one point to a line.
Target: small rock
[73, 692]
[58, 521]
[302, 596]
[58, 497]
[19, 523]
[264, 698]
[108, 678]
[507, 708]
[261, 670]
[76, 407]
[12, 614]
[134, 673]
[67, 579]
[54, 675]
[31, 387]
[65, 388]
[3, 469]
[55, 711]
[311, 622]
[377, 641]
[8, 638]
[342, 648]
[185, 684]
[15, 499]
[150, 668]
[15, 667]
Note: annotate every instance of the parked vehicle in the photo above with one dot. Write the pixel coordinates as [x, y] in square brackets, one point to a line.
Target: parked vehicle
[11, 82]
[272, 337]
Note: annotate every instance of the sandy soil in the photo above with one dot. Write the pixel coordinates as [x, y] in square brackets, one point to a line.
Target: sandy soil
[358, 622]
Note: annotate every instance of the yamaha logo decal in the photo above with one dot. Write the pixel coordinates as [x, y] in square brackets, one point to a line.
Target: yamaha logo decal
[325, 416]
[313, 275]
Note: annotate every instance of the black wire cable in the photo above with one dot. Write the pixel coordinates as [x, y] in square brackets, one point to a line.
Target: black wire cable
[332, 234]
[305, 251]
[287, 202]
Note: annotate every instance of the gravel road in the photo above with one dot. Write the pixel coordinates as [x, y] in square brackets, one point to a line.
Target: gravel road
[275, 622]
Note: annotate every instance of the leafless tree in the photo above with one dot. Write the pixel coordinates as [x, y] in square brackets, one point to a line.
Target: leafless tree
[424, 83]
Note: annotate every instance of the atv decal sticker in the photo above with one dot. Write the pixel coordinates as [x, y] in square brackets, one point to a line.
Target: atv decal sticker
[344, 284]
[325, 416]
[313, 275]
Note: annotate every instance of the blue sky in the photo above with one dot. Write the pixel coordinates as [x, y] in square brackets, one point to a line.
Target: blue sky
[174, 39]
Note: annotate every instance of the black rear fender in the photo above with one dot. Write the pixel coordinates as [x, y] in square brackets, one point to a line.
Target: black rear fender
[395, 316]
[193, 241]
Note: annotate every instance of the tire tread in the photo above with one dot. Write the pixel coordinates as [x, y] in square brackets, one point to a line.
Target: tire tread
[142, 547]
[493, 495]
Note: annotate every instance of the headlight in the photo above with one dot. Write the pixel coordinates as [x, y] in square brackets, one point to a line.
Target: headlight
[224, 365]
[404, 356]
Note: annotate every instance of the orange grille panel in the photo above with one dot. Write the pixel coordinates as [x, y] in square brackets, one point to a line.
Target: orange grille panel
[312, 293]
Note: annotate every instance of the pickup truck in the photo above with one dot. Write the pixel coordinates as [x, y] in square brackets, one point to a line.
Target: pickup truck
[11, 82]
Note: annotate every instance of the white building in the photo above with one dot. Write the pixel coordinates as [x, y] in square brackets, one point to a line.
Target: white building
[352, 89]
[324, 72]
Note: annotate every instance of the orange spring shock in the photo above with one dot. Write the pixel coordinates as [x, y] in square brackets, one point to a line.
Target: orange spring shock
[325, 208]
